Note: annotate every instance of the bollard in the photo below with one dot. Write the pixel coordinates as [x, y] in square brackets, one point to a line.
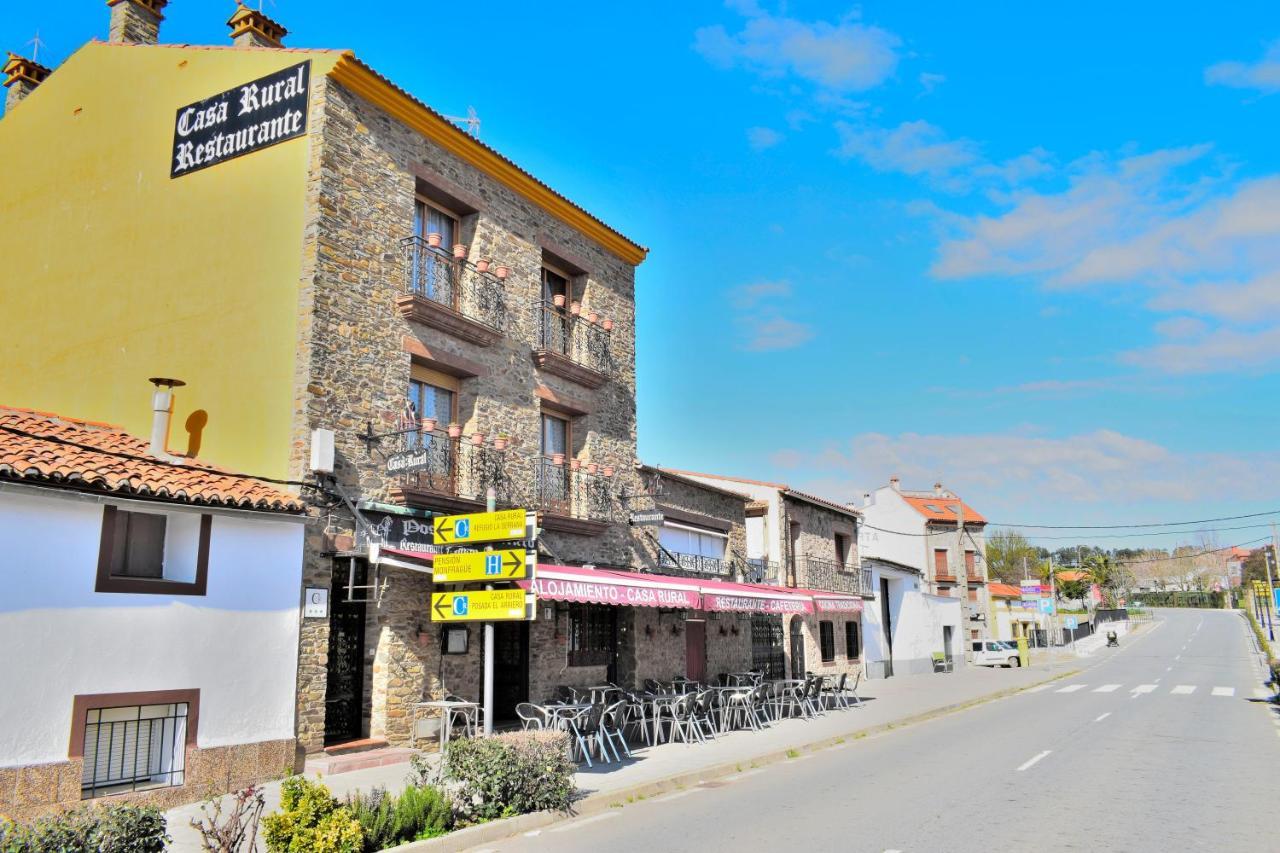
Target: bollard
[1024, 656]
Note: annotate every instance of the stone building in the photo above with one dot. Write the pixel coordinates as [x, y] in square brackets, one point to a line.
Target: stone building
[809, 544]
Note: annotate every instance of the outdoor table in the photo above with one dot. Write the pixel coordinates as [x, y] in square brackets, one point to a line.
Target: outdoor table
[657, 702]
[446, 707]
[748, 678]
[601, 692]
[563, 713]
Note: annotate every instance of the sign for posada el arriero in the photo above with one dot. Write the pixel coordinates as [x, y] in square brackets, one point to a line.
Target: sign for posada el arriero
[239, 121]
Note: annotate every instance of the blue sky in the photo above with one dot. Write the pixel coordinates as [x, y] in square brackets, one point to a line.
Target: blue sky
[1034, 254]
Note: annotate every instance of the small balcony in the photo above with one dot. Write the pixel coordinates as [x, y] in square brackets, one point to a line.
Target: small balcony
[451, 294]
[576, 500]
[759, 570]
[830, 576]
[694, 563]
[572, 346]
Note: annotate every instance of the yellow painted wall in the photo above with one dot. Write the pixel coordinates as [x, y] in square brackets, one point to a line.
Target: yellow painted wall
[111, 272]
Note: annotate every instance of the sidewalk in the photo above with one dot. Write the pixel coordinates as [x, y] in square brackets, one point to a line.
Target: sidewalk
[885, 701]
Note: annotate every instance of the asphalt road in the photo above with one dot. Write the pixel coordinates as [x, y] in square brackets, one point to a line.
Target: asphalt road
[1160, 746]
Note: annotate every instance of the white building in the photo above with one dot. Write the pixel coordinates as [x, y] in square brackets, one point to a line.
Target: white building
[149, 620]
[905, 626]
[938, 534]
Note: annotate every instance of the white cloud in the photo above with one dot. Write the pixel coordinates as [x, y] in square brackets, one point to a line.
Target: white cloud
[760, 138]
[1263, 75]
[930, 82]
[1223, 349]
[846, 56]
[761, 317]
[914, 148]
[1026, 468]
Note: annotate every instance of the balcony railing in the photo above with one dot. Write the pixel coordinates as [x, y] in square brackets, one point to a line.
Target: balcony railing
[458, 468]
[694, 563]
[572, 346]
[475, 302]
[828, 575]
[757, 570]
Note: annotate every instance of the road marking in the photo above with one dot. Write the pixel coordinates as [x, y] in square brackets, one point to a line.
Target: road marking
[1102, 717]
[1176, 657]
[1037, 688]
[1032, 761]
[678, 794]
[594, 819]
[1168, 669]
[1107, 688]
[533, 833]
[1184, 690]
[1072, 688]
[1224, 691]
[1144, 688]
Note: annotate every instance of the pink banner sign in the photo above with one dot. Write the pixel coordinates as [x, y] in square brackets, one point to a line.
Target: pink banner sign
[622, 595]
[838, 605]
[752, 604]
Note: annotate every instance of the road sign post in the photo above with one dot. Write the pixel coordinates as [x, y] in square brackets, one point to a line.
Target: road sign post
[507, 564]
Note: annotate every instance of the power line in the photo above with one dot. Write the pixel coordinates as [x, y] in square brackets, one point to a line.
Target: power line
[1189, 556]
[1132, 526]
[1149, 533]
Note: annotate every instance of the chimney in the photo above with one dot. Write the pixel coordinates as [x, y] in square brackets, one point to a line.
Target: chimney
[895, 484]
[136, 21]
[251, 28]
[22, 75]
[867, 499]
[161, 414]
[937, 489]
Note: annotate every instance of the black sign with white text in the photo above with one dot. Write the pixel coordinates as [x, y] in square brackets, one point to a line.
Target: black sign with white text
[242, 120]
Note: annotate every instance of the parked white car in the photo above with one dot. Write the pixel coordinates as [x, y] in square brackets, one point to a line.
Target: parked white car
[994, 653]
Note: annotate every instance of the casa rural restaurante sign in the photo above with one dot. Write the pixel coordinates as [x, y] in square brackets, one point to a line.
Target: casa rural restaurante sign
[242, 120]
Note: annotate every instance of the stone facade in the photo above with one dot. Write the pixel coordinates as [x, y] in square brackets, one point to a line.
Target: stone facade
[30, 791]
[135, 21]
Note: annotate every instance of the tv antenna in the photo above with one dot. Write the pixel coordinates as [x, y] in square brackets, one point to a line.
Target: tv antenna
[36, 43]
[471, 121]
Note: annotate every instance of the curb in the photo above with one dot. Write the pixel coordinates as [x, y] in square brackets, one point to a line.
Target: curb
[595, 803]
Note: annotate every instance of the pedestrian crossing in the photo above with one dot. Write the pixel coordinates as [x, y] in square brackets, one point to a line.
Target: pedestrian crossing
[1144, 689]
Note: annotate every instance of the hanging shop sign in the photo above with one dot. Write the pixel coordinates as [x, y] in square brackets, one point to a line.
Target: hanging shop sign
[753, 604]
[489, 605]
[402, 532]
[647, 518]
[239, 121]
[508, 564]
[503, 526]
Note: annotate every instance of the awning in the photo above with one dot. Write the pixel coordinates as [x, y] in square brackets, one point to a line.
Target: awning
[625, 589]
[833, 602]
[723, 596]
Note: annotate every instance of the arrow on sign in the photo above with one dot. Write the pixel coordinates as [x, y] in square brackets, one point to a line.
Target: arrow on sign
[442, 613]
[514, 564]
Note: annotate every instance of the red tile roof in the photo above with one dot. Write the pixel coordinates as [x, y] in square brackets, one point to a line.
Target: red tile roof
[943, 509]
[1004, 590]
[1073, 575]
[40, 447]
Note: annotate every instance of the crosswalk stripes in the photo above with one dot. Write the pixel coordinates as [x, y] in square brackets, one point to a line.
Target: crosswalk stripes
[1224, 691]
[1107, 688]
[1153, 687]
[1072, 688]
[1145, 688]
[1184, 690]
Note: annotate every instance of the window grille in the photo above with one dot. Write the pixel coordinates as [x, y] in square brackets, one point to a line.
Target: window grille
[134, 748]
[592, 628]
[827, 638]
[852, 640]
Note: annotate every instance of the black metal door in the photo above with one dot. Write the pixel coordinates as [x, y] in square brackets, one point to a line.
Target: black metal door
[767, 652]
[797, 647]
[344, 693]
[886, 619]
[510, 668]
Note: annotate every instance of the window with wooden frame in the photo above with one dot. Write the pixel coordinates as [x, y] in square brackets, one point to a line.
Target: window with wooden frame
[557, 435]
[827, 641]
[842, 550]
[592, 633]
[852, 640]
[434, 395]
[153, 552]
[133, 741]
[971, 563]
[940, 562]
[434, 272]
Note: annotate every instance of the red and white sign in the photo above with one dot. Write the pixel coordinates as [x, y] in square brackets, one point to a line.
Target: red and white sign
[755, 604]
[611, 592]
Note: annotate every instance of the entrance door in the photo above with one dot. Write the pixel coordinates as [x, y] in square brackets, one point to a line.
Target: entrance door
[797, 648]
[886, 620]
[946, 643]
[510, 668]
[767, 651]
[344, 691]
[695, 650]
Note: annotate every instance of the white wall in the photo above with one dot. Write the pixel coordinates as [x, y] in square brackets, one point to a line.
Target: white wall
[238, 643]
[889, 512]
[917, 619]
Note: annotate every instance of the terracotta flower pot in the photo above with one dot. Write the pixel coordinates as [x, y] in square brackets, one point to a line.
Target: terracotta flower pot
[608, 471]
[477, 439]
[575, 464]
[593, 317]
[483, 265]
[558, 299]
[608, 324]
[502, 271]
[460, 251]
[433, 240]
[557, 458]
[455, 430]
[500, 443]
[575, 309]
[592, 467]
[428, 424]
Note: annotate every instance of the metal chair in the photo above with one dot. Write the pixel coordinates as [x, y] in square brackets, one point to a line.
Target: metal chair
[587, 732]
[567, 694]
[835, 692]
[468, 718]
[532, 716]
[612, 723]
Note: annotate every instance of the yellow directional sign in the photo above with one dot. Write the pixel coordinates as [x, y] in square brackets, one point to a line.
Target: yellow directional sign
[507, 564]
[489, 605]
[500, 526]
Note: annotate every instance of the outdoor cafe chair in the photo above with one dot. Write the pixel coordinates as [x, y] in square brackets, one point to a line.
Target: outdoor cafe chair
[567, 695]
[853, 691]
[532, 716]
[680, 719]
[703, 709]
[653, 686]
[638, 716]
[742, 710]
[940, 662]
[587, 731]
[835, 693]
[612, 723]
[813, 695]
[467, 718]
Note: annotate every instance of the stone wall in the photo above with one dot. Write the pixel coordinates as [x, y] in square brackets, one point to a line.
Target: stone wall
[32, 790]
[728, 651]
[691, 502]
[818, 527]
[813, 650]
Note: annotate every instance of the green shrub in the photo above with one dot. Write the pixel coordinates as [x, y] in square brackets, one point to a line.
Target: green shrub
[510, 774]
[387, 820]
[310, 820]
[117, 828]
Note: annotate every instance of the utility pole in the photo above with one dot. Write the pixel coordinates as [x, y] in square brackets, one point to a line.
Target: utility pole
[1275, 540]
[1053, 600]
[490, 643]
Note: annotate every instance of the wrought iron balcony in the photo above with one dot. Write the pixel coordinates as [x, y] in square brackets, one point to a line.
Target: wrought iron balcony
[451, 294]
[571, 347]
[694, 563]
[561, 490]
[757, 570]
[828, 575]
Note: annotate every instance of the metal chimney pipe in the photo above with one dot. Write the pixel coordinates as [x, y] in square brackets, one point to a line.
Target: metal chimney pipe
[161, 415]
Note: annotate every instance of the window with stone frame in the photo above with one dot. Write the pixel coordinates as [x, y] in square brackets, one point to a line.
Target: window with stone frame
[827, 641]
[592, 634]
[852, 640]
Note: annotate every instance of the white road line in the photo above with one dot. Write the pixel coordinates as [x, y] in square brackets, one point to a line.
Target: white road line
[1107, 688]
[1072, 688]
[1037, 688]
[1224, 691]
[1184, 690]
[1143, 688]
[678, 794]
[1176, 657]
[595, 818]
[1102, 717]
[533, 833]
[1031, 761]
[1168, 669]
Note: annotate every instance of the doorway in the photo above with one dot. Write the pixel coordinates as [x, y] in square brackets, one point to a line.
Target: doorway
[695, 650]
[768, 655]
[344, 688]
[797, 647]
[886, 620]
[946, 645]
[510, 668]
